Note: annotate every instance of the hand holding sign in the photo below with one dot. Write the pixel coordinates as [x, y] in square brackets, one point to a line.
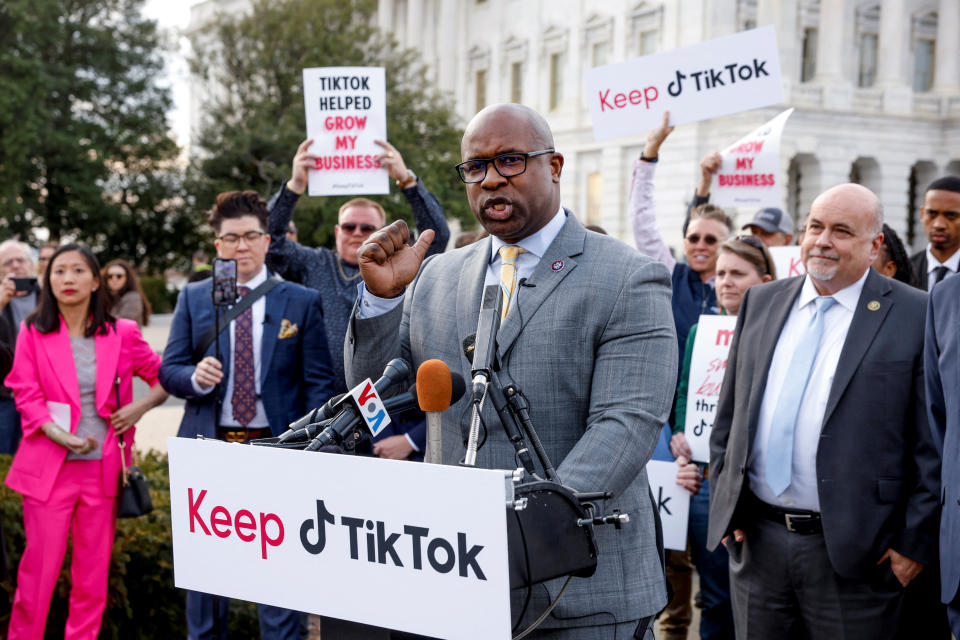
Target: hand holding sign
[303, 162]
[393, 162]
[656, 137]
[689, 476]
[708, 167]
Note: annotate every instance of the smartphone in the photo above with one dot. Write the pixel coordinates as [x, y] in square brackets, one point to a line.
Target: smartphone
[224, 281]
[25, 284]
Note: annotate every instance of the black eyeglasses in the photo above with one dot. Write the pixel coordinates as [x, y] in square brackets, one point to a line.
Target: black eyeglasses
[350, 227]
[710, 240]
[507, 165]
[757, 244]
[233, 239]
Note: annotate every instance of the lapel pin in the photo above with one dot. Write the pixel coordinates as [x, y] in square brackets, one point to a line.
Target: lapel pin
[873, 305]
[557, 265]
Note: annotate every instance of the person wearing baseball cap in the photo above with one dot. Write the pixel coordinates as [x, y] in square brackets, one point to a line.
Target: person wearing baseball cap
[772, 226]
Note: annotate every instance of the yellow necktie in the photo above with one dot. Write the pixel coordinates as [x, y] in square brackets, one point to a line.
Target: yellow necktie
[508, 274]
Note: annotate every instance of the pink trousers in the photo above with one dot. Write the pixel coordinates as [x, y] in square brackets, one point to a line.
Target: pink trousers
[77, 507]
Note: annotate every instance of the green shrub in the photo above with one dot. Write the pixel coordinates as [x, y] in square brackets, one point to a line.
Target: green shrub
[141, 599]
[161, 299]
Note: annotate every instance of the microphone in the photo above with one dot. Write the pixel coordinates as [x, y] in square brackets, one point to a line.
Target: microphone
[434, 391]
[338, 428]
[397, 370]
[485, 348]
[299, 428]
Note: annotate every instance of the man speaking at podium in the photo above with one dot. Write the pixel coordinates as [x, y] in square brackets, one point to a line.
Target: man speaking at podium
[586, 334]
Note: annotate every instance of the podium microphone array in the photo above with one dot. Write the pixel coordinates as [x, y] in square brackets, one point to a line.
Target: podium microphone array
[327, 428]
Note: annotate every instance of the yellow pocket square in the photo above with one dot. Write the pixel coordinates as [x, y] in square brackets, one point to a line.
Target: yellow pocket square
[287, 329]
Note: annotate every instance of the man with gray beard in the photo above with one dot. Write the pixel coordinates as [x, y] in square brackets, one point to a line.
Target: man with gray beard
[825, 472]
[15, 262]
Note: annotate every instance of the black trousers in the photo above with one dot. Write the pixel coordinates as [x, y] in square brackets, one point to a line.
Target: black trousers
[784, 586]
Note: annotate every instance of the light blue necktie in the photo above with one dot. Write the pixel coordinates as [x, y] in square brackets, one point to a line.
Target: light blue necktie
[784, 422]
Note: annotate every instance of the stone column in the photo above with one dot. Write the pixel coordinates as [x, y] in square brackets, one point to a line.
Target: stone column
[783, 15]
[385, 15]
[893, 53]
[894, 192]
[837, 89]
[946, 77]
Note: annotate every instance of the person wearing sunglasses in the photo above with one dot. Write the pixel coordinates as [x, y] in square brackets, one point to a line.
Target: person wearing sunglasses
[335, 274]
[125, 297]
[709, 227]
[742, 262]
[705, 228]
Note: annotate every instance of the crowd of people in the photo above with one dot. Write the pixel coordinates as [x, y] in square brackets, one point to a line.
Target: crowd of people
[833, 469]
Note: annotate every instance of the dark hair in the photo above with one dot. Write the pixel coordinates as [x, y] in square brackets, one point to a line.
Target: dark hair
[46, 317]
[752, 250]
[132, 284]
[946, 183]
[709, 211]
[200, 256]
[596, 228]
[236, 204]
[894, 250]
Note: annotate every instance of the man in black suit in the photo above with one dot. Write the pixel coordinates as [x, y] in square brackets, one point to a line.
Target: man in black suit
[825, 470]
[941, 221]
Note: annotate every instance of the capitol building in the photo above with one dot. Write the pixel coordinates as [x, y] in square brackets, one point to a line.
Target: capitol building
[875, 85]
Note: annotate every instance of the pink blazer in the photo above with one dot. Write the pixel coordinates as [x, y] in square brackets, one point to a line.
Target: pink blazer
[43, 370]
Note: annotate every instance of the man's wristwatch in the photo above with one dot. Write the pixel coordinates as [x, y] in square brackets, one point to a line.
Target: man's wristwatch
[410, 180]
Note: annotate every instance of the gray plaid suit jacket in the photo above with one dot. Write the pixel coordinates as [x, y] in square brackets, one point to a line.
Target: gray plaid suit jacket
[591, 343]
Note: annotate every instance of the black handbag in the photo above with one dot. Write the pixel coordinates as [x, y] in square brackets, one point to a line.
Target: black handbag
[134, 494]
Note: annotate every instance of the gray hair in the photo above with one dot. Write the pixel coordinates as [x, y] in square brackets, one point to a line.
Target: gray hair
[23, 246]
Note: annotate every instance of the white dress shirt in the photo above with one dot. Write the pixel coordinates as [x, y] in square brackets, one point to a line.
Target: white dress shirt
[535, 244]
[259, 310]
[952, 264]
[802, 492]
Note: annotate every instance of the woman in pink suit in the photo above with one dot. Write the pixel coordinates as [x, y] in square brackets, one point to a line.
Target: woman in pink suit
[72, 361]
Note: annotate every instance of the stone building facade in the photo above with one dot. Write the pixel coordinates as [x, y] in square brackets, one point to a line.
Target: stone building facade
[876, 87]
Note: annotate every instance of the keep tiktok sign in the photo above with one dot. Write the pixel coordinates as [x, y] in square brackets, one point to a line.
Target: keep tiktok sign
[362, 539]
[706, 80]
[346, 110]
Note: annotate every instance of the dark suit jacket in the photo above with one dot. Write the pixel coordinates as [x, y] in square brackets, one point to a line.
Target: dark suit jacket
[295, 371]
[942, 365]
[919, 262]
[876, 463]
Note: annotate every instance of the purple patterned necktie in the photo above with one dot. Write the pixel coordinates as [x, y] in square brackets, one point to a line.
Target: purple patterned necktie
[244, 386]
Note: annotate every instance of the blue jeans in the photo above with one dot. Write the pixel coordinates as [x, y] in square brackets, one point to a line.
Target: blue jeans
[716, 619]
[10, 431]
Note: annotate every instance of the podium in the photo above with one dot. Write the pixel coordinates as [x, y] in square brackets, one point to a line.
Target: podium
[374, 541]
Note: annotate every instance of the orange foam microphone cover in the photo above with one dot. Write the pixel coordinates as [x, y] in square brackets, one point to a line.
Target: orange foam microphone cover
[434, 386]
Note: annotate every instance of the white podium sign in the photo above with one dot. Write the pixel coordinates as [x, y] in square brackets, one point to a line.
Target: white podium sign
[673, 502]
[708, 363]
[363, 539]
[346, 110]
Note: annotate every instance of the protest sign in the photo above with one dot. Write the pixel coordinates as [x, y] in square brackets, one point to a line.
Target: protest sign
[787, 262]
[673, 502]
[706, 80]
[346, 109]
[707, 366]
[750, 174]
[361, 539]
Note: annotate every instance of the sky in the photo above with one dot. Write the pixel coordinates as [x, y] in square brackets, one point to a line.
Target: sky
[173, 16]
